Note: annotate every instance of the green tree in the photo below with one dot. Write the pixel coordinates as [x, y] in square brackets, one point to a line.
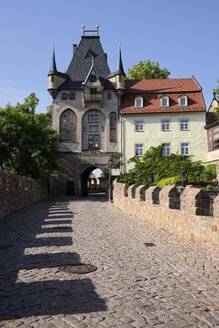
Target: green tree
[28, 145]
[153, 167]
[147, 70]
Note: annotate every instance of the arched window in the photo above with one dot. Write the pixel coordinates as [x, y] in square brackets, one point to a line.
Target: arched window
[113, 127]
[68, 125]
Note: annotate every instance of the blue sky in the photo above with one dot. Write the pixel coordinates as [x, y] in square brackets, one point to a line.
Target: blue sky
[180, 35]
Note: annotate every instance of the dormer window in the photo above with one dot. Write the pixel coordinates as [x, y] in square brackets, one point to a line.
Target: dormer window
[138, 102]
[183, 101]
[164, 101]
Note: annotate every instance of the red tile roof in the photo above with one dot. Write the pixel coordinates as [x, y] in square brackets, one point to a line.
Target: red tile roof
[152, 89]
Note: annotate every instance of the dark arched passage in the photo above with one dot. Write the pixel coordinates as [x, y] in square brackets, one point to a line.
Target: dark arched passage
[84, 180]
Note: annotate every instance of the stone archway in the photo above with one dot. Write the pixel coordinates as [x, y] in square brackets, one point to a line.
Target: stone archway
[84, 181]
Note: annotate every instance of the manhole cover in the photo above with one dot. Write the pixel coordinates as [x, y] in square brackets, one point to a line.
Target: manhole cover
[78, 268]
[149, 244]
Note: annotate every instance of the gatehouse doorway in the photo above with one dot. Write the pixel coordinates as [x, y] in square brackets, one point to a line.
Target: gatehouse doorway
[93, 182]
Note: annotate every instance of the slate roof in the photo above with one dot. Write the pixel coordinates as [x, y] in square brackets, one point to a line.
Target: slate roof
[69, 84]
[211, 119]
[89, 47]
[153, 89]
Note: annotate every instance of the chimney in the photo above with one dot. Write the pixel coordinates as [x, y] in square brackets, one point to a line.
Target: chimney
[75, 46]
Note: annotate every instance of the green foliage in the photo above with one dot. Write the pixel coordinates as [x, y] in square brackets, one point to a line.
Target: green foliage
[210, 172]
[166, 181]
[28, 146]
[147, 70]
[153, 167]
[115, 159]
[126, 178]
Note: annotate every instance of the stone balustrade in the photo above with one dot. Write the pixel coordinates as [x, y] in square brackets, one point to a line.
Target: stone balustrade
[19, 191]
[186, 214]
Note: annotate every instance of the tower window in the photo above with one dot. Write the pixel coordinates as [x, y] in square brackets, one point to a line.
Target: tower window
[64, 95]
[109, 95]
[93, 91]
[113, 129]
[93, 117]
[72, 96]
[68, 124]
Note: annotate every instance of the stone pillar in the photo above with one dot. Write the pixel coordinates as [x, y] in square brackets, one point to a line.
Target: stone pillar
[170, 197]
[140, 193]
[152, 195]
[195, 201]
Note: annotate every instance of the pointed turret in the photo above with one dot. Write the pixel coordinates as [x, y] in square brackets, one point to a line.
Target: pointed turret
[53, 69]
[118, 77]
[55, 78]
[120, 70]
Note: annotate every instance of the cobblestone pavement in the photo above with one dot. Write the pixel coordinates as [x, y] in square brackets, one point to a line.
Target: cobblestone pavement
[144, 277]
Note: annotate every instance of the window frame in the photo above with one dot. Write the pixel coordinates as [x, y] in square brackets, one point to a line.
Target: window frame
[166, 149]
[138, 99]
[72, 96]
[139, 150]
[109, 95]
[183, 147]
[93, 117]
[139, 126]
[184, 98]
[182, 123]
[167, 99]
[164, 123]
[64, 96]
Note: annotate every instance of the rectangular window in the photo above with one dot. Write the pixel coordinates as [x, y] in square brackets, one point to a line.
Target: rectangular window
[93, 128]
[184, 125]
[64, 95]
[138, 150]
[93, 91]
[139, 126]
[109, 95]
[183, 101]
[93, 117]
[72, 96]
[138, 102]
[166, 149]
[184, 148]
[93, 141]
[164, 102]
[165, 125]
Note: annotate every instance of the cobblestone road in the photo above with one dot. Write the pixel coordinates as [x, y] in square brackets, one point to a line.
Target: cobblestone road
[137, 284]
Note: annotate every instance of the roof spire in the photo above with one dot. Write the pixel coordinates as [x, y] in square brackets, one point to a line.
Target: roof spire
[120, 65]
[53, 69]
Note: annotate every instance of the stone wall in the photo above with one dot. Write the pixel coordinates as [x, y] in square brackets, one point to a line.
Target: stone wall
[185, 214]
[19, 191]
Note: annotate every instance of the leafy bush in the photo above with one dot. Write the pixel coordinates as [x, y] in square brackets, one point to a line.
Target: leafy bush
[166, 181]
[210, 172]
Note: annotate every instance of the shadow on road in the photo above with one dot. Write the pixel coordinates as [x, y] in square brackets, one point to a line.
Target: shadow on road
[31, 283]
